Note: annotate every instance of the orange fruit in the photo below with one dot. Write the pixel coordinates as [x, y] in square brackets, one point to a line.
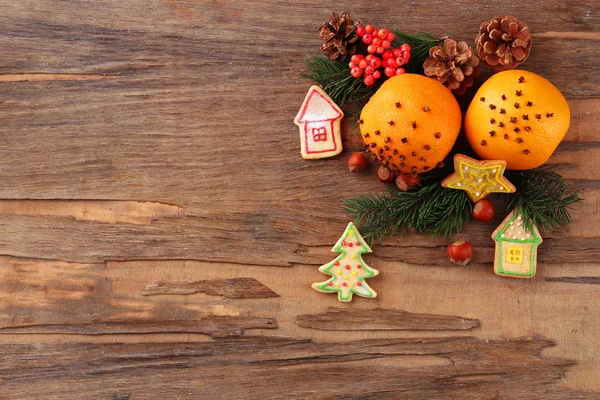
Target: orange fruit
[411, 123]
[517, 116]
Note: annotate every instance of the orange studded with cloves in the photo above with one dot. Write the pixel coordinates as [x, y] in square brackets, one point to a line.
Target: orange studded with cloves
[417, 120]
[528, 115]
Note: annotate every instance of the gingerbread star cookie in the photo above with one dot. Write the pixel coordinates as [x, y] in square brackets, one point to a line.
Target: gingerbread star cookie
[478, 178]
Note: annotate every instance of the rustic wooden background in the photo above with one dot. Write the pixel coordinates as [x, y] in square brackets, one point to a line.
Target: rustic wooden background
[160, 230]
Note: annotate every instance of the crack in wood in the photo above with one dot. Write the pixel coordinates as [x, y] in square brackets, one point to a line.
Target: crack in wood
[590, 280]
[349, 319]
[39, 77]
[234, 288]
[208, 325]
[568, 35]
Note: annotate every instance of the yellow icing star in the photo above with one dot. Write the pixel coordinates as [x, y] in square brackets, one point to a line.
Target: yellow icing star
[478, 178]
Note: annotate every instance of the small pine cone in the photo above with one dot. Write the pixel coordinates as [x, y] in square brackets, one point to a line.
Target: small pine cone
[503, 43]
[339, 36]
[453, 64]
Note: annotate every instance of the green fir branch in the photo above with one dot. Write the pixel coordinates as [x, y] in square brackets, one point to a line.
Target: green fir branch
[335, 79]
[542, 197]
[431, 208]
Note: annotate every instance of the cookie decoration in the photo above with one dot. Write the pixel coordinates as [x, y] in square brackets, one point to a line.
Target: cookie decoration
[517, 116]
[399, 90]
[319, 122]
[478, 178]
[348, 271]
[516, 247]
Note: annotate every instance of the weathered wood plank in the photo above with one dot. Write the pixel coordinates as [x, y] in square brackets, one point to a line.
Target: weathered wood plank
[234, 288]
[46, 292]
[380, 319]
[265, 238]
[238, 367]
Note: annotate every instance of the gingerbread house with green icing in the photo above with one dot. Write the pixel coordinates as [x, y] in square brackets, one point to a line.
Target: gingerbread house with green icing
[516, 247]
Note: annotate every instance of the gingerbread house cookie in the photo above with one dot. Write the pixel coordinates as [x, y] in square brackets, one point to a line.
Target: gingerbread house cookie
[516, 247]
[319, 122]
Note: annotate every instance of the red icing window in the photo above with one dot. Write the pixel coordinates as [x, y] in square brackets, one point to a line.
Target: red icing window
[319, 134]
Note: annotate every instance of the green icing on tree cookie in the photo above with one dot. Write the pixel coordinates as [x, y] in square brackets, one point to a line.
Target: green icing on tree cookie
[348, 271]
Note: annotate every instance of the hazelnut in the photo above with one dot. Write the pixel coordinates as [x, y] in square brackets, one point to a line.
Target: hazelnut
[357, 162]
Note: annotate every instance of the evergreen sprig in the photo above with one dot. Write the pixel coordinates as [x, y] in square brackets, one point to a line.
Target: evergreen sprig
[542, 197]
[431, 209]
[335, 79]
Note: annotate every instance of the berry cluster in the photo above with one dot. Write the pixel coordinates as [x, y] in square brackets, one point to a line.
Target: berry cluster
[381, 55]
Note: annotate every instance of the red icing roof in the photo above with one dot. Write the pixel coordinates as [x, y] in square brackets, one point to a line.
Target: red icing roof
[317, 106]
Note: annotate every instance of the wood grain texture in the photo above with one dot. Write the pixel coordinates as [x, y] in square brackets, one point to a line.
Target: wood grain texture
[112, 212]
[155, 134]
[38, 296]
[207, 325]
[346, 319]
[153, 141]
[239, 367]
[234, 288]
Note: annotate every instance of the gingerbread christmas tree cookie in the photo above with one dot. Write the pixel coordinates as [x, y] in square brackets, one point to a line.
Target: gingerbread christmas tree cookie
[516, 247]
[319, 122]
[348, 271]
[478, 178]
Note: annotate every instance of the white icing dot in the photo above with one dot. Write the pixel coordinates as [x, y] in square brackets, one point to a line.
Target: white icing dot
[500, 188]
[528, 235]
[477, 193]
[518, 224]
[518, 233]
[502, 235]
[511, 222]
[514, 237]
[466, 168]
[459, 184]
[519, 218]
[494, 171]
[522, 238]
[479, 180]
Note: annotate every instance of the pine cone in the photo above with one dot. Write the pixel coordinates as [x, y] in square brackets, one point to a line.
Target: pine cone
[453, 64]
[339, 36]
[503, 43]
